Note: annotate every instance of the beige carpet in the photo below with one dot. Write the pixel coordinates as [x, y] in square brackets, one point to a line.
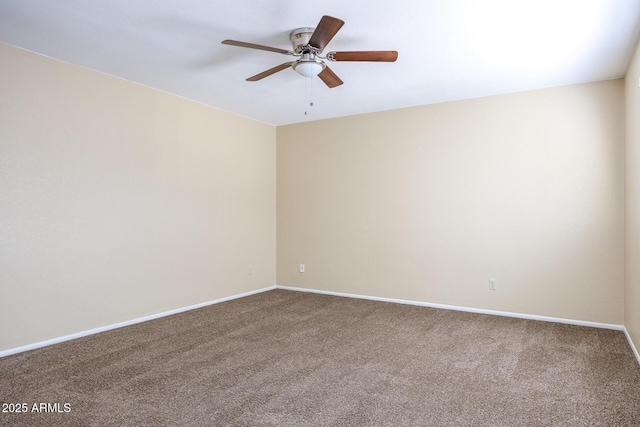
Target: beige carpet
[286, 358]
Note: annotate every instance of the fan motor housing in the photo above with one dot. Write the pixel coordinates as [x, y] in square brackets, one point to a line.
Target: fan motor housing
[300, 38]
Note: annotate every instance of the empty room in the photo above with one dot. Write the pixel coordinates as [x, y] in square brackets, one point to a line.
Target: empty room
[241, 212]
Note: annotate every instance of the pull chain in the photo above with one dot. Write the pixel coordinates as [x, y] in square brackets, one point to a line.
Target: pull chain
[308, 98]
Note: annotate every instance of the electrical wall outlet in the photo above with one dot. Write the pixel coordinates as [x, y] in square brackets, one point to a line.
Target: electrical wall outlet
[301, 268]
[250, 270]
[492, 284]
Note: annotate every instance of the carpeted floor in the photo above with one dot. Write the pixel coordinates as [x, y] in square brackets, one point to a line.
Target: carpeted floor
[287, 358]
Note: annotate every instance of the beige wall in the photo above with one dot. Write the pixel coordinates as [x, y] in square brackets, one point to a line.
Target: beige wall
[428, 203]
[632, 188]
[118, 201]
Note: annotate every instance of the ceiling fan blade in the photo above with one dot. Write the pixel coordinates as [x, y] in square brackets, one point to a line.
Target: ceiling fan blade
[365, 55]
[330, 78]
[324, 32]
[256, 46]
[270, 71]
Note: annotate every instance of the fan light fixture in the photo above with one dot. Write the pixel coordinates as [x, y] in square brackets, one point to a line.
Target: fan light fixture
[309, 68]
[308, 43]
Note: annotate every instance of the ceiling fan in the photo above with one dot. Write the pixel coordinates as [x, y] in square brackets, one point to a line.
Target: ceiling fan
[308, 44]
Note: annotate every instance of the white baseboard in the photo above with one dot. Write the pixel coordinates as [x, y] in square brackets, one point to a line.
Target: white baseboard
[81, 334]
[633, 347]
[459, 308]
[478, 310]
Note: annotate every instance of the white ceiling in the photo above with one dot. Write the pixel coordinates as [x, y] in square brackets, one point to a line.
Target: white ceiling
[448, 49]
